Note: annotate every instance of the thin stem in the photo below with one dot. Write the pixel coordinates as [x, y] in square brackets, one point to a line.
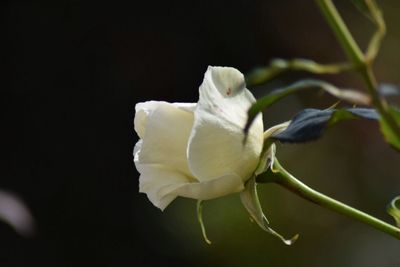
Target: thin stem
[341, 31]
[375, 42]
[353, 51]
[285, 179]
[379, 102]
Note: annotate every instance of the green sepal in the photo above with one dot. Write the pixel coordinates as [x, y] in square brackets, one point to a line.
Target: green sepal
[252, 204]
[199, 207]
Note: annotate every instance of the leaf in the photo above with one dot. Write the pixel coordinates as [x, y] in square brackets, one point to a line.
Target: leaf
[252, 204]
[200, 219]
[394, 210]
[278, 66]
[268, 100]
[387, 132]
[310, 124]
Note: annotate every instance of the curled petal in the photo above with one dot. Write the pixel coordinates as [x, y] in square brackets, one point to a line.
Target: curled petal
[215, 145]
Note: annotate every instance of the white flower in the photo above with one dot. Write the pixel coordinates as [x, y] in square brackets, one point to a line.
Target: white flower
[196, 150]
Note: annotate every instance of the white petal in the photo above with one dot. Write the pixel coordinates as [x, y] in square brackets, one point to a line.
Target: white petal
[189, 107]
[158, 182]
[144, 110]
[223, 94]
[162, 185]
[166, 138]
[136, 153]
[216, 142]
[228, 184]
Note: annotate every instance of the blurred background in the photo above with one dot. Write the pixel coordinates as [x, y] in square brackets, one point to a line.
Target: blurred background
[74, 71]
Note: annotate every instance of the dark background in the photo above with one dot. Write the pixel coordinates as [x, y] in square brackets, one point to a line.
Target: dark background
[74, 71]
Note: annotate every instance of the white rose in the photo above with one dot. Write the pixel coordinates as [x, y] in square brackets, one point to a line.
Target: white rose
[196, 150]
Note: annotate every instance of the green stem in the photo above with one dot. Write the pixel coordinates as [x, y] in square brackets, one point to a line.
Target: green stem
[285, 179]
[341, 31]
[354, 53]
[379, 102]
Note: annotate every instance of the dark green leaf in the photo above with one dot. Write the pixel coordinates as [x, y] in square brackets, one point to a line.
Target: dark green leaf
[310, 124]
[268, 100]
